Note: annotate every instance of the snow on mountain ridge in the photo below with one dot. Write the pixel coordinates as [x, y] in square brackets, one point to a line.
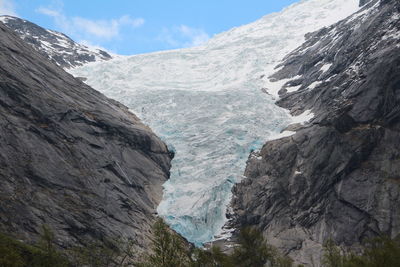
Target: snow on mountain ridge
[56, 46]
[206, 102]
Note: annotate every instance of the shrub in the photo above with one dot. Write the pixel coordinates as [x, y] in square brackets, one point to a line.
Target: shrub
[14, 253]
[211, 258]
[95, 254]
[253, 249]
[167, 249]
[377, 252]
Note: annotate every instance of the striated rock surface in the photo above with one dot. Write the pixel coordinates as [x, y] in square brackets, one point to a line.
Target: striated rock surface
[70, 157]
[56, 46]
[339, 175]
[363, 2]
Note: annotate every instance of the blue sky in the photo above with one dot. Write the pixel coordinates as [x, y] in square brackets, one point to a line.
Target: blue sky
[141, 26]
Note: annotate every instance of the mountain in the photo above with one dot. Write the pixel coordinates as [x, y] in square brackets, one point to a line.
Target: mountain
[56, 46]
[71, 158]
[338, 175]
[207, 103]
[328, 109]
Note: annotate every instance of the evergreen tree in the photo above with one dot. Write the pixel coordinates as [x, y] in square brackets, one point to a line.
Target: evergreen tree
[168, 248]
[377, 252]
[252, 249]
[211, 258]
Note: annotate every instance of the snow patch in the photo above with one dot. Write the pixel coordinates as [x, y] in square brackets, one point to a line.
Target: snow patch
[292, 89]
[326, 67]
[393, 34]
[273, 87]
[4, 19]
[281, 135]
[305, 117]
[364, 12]
[313, 85]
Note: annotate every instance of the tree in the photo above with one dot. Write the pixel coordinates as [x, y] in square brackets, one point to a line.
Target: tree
[9, 256]
[382, 251]
[96, 253]
[332, 255]
[167, 249]
[14, 253]
[211, 258]
[252, 249]
[377, 252]
[48, 256]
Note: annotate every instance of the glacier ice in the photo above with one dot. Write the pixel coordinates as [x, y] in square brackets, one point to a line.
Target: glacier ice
[206, 103]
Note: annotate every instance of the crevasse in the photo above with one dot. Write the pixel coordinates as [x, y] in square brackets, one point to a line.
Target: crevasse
[206, 103]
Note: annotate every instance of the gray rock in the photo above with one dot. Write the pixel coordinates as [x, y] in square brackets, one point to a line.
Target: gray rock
[70, 157]
[54, 45]
[363, 2]
[338, 176]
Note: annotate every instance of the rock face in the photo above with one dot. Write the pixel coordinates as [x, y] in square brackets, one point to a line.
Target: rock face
[70, 157]
[363, 2]
[56, 46]
[337, 176]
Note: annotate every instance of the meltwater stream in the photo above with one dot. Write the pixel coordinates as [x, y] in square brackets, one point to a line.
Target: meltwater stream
[206, 103]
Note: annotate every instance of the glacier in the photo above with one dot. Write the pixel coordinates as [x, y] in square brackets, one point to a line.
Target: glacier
[207, 104]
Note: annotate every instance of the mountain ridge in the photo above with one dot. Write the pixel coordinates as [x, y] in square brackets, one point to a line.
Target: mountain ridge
[334, 177]
[54, 45]
[71, 158]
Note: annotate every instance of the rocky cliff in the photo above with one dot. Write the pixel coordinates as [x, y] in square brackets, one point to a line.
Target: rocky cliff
[338, 175]
[55, 46]
[71, 158]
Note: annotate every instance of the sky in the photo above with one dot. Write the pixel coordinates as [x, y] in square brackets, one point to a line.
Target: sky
[130, 27]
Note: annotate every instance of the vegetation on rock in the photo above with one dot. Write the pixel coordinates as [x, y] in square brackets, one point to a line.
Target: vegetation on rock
[14, 253]
[169, 249]
[377, 252]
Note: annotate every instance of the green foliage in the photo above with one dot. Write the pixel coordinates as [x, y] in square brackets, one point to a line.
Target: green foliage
[283, 261]
[49, 256]
[94, 254]
[14, 253]
[9, 254]
[377, 252]
[108, 253]
[127, 253]
[211, 258]
[168, 249]
[333, 256]
[253, 250]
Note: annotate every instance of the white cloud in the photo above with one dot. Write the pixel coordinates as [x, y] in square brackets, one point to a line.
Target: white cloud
[167, 37]
[183, 36]
[105, 28]
[86, 28]
[59, 18]
[7, 8]
[48, 12]
[196, 37]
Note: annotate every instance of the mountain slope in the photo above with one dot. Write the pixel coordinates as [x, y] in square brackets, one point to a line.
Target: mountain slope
[207, 103]
[56, 46]
[71, 158]
[338, 176]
